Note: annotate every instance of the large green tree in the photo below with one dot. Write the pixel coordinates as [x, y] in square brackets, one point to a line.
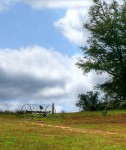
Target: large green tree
[106, 50]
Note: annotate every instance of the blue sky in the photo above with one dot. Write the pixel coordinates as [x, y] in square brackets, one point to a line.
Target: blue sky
[39, 46]
[22, 25]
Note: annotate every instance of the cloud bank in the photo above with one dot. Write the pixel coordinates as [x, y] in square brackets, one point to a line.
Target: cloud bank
[38, 75]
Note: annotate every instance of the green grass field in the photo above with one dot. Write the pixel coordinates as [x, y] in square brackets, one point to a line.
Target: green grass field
[87, 131]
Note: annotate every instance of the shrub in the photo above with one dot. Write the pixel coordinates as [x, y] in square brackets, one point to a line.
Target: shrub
[88, 101]
[122, 105]
[101, 106]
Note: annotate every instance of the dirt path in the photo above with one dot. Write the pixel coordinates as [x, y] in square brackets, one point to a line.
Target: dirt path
[77, 129]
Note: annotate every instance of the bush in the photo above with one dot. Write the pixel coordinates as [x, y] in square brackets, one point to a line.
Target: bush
[113, 104]
[122, 105]
[88, 101]
[101, 106]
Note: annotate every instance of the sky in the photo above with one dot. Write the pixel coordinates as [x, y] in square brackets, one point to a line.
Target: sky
[39, 46]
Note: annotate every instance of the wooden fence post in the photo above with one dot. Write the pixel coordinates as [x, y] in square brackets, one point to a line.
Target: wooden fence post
[53, 108]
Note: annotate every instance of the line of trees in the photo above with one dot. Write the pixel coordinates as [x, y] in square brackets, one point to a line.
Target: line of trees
[106, 50]
[90, 101]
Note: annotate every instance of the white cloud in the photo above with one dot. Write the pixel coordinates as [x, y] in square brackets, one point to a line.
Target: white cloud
[39, 75]
[71, 26]
[50, 4]
[5, 4]
[54, 4]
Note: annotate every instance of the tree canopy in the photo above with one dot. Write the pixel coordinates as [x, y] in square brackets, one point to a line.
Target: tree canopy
[106, 50]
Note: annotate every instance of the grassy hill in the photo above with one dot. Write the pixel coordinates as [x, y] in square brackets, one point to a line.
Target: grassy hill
[65, 131]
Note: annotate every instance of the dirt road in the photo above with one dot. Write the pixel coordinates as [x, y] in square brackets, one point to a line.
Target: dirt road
[76, 129]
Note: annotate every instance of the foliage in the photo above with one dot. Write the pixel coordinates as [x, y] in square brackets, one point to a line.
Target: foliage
[106, 50]
[88, 101]
[122, 105]
[91, 102]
